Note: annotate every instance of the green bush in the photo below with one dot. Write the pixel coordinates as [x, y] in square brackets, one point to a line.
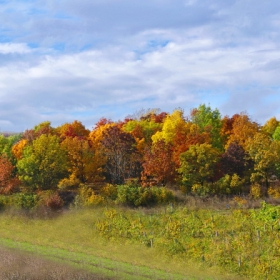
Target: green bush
[201, 190]
[131, 195]
[127, 195]
[25, 201]
[87, 197]
[4, 201]
[229, 184]
[109, 191]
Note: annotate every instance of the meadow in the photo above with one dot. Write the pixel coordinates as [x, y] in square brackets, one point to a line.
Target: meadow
[167, 242]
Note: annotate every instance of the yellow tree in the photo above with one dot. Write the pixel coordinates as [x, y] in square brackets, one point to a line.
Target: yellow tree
[270, 126]
[179, 133]
[171, 125]
[97, 134]
[265, 154]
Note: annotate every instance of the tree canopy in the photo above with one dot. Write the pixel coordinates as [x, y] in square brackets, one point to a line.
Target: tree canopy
[152, 147]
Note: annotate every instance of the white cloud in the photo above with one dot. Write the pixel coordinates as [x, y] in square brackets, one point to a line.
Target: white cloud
[10, 48]
[83, 60]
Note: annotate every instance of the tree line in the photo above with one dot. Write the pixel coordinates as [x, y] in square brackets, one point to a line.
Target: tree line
[202, 153]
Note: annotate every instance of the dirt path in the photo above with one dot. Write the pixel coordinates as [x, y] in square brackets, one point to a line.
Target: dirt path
[16, 265]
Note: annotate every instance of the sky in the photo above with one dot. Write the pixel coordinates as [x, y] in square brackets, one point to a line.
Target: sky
[82, 60]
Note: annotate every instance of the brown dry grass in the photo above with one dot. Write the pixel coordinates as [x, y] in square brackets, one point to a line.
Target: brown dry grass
[15, 265]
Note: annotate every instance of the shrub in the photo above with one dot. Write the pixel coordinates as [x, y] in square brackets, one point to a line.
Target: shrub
[147, 197]
[201, 190]
[94, 200]
[51, 199]
[163, 195]
[69, 183]
[274, 192]
[255, 191]
[127, 195]
[223, 185]
[25, 201]
[4, 201]
[87, 197]
[229, 184]
[139, 196]
[109, 191]
[236, 184]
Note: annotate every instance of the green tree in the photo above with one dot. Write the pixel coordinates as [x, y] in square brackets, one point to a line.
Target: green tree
[6, 144]
[276, 133]
[143, 128]
[270, 126]
[198, 164]
[43, 164]
[209, 121]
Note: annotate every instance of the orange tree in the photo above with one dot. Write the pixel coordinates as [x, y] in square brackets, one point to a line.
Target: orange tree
[242, 129]
[8, 181]
[85, 161]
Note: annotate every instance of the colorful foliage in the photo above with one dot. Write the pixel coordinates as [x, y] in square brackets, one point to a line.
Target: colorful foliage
[203, 153]
[44, 163]
[8, 182]
[158, 166]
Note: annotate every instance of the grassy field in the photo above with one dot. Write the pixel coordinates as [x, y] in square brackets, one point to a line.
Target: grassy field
[74, 238]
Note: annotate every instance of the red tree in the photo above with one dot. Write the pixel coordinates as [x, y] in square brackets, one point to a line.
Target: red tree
[8, 183]
[159, 168]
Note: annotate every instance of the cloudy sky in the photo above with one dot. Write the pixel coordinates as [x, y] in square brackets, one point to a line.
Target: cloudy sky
[65, 60]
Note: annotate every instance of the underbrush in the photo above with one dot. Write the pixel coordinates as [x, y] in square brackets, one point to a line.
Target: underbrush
[131, 195]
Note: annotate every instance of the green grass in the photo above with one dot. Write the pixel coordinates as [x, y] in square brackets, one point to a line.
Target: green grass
[74, 238]
[97, 265]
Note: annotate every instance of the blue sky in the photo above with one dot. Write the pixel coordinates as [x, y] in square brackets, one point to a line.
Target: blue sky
[65, 60]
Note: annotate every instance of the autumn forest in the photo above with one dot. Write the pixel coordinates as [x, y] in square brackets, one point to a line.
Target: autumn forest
[201, 154]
